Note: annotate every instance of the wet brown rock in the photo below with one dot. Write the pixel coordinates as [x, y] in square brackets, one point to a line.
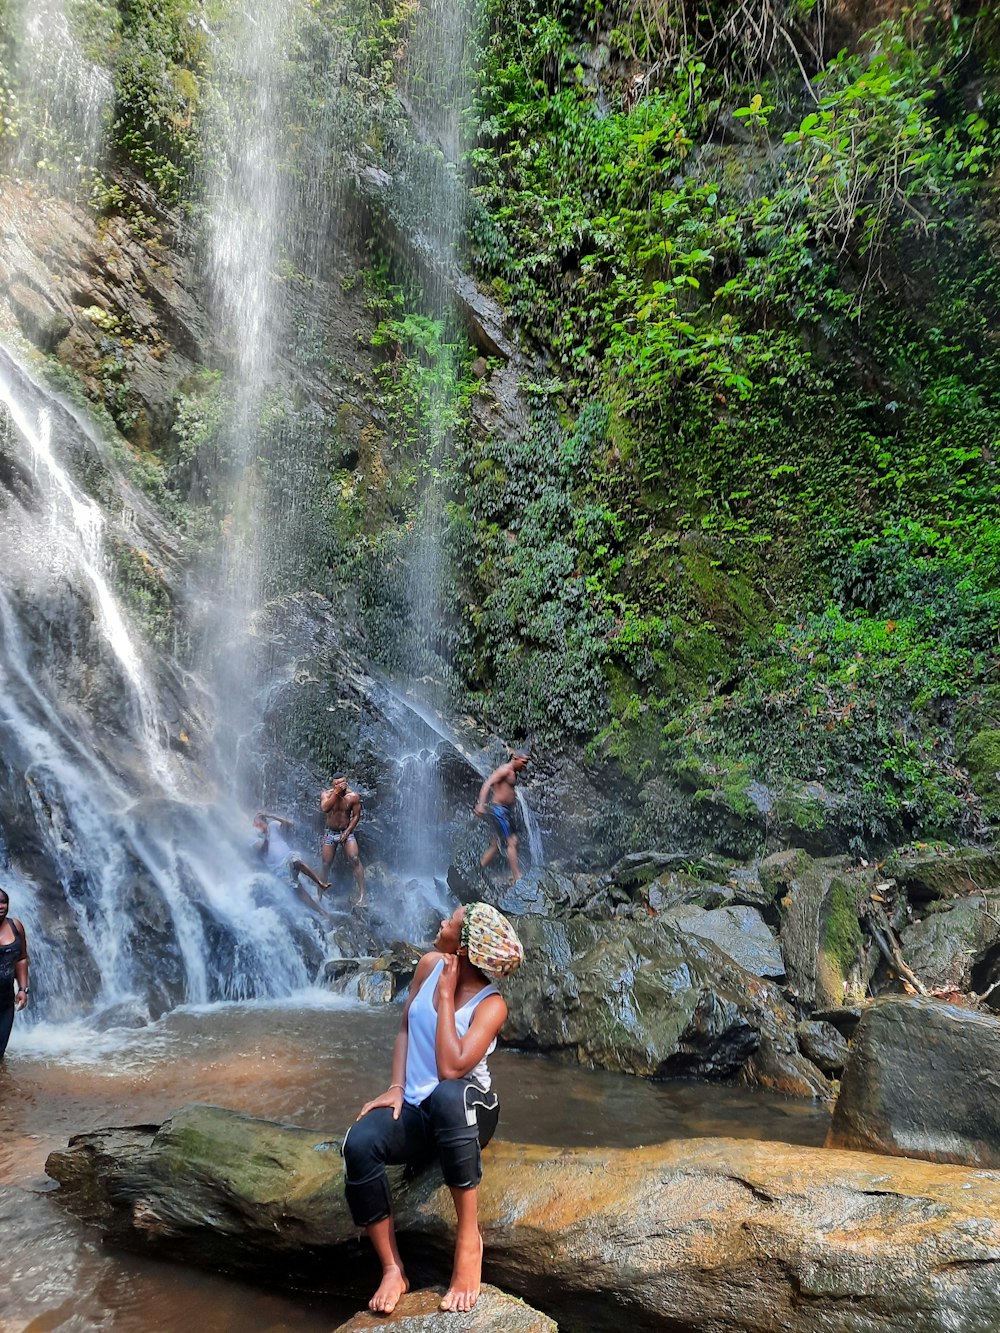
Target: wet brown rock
[824, 1046]
[695, 1236]
[922, 1080]
[417, 1312]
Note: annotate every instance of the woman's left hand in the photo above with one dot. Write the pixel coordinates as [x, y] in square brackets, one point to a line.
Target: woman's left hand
[448, 979]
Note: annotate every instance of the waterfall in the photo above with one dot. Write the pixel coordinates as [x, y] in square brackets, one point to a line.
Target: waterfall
[125, 867]
[436, 91]
[122, 853]
[127, 777]
[247, 239]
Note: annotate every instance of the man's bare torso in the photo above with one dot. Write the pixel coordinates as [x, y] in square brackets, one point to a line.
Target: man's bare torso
[342, 810]
[503, 790]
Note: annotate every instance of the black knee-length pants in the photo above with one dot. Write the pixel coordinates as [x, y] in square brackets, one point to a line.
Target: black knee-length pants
[453, 1124]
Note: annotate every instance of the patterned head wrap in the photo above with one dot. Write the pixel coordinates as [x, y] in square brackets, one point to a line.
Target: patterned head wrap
[491, 941]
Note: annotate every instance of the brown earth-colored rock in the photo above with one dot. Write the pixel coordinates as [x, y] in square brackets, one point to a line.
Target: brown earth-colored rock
[417, 1312]
[694, 1236]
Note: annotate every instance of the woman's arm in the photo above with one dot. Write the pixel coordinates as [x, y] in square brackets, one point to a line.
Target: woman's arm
[393, 1095]
[21, 969]
[456, 1055]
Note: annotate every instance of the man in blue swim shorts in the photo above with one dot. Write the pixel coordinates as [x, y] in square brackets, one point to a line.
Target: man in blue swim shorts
[498, 802]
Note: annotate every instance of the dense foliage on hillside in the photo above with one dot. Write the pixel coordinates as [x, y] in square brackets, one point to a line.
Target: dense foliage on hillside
[765, 317]
[745, 550]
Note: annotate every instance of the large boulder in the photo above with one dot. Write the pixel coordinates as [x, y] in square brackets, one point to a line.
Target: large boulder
[695, 1236]
[922, 1080]
[739, 931]
[417, 1312]
[947, 948]
[645, 998]
[954, 873]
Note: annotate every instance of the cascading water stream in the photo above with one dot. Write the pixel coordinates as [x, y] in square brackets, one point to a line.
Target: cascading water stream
[250, 230]
[436, 90]
[135, 895]
[75, 532]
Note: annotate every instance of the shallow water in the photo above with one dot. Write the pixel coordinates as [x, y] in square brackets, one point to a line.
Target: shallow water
[310, 1061]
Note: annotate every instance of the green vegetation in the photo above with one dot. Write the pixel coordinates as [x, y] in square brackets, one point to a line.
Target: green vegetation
[843, 942]
[742, 546]
[777, 300]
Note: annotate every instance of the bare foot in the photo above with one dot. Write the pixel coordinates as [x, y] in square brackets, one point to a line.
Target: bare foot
[466, 1277]
[392, 1286]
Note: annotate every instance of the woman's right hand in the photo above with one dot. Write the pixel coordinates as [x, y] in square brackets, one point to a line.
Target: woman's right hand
[392, 1097]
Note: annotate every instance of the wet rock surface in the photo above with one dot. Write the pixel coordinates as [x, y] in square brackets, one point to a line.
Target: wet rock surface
[947, 948]
[645, 998]
[739, 932]
[922, 1080]
[695, 1236]
[955, 873]
[824, 1046]
[417, 1312]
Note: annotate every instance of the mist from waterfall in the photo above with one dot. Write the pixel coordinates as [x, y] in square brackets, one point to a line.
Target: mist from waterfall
[64, 98]
[246, 241]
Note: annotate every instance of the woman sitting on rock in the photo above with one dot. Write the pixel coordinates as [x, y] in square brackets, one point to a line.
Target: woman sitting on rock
[440, 1102]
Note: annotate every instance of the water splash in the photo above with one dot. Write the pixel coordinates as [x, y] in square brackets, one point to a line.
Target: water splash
[65, 98]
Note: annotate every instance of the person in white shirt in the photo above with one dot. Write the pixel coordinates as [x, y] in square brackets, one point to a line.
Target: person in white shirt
[440, 1101]
[270, 845]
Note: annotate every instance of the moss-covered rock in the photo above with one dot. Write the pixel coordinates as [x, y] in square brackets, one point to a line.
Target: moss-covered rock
[982, 758]
[569, 1229]
[950, 872]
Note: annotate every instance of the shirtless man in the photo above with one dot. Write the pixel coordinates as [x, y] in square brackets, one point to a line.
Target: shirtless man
[502, 811]
[342, 808]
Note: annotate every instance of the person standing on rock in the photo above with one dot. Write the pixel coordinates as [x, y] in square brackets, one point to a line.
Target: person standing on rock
[342, 810]
[498, 801]
[13, 970]
[440, 1101]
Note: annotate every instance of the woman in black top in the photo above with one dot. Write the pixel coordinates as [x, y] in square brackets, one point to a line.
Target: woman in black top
[13, 970]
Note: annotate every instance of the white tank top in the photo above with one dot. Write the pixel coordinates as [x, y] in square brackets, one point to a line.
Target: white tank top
[421, 1029]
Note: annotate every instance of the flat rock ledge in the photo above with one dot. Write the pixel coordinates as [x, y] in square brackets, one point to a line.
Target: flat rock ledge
[713, 1235]
[495, 1312]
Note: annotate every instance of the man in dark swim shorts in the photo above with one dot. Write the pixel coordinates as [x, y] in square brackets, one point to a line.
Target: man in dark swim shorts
[341, 808]
[498, 793]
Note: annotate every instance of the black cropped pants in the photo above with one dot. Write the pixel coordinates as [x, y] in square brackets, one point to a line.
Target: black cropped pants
[6, 1024]
[453, 1124]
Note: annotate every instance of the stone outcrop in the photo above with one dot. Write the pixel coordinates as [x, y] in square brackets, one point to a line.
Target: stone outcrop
[417, 1312]
[824, 1046]
[820, 937]
[956, 873]
[739, 932]
[948, 948]
[922, 1080]
[694, 1236]
[648, 999]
